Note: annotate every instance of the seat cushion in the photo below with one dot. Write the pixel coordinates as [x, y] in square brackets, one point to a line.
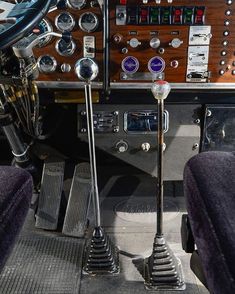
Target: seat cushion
[209, 184]
[15, 196]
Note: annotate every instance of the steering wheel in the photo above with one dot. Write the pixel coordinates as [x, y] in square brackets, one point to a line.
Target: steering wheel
[19, 19]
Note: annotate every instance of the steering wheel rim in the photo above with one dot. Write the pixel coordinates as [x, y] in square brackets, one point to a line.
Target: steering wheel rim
[24, 22]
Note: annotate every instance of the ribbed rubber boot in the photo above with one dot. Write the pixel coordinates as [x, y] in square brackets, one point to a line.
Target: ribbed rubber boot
[162, 269]
[101, 256]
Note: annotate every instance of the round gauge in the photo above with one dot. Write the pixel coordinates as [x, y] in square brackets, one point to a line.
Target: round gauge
[77, 4]
[46, 64]
[65, 22]
[88, 22]
[65, 49]
[43, 27]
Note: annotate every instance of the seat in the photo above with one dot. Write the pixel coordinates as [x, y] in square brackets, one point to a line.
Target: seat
[15, 196]
[209, 186]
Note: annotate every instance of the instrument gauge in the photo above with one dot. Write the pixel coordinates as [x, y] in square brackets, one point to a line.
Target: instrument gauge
[65, 22]
[77, 4]
[43, 27]
[88, 22]
[65, 49]
[46, 64]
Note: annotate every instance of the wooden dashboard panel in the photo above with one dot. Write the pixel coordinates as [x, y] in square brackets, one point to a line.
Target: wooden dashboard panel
[77, 36]
[215, 16]
[219, 15]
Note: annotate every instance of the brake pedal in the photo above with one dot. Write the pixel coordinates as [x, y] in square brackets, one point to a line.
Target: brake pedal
[75, 222]
[50, 194]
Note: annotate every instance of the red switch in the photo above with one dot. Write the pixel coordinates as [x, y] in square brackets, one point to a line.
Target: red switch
[177, 15]
[123, 2]
[143, 15]
[199, 15]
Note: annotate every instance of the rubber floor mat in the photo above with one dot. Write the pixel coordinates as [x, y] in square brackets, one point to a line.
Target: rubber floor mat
[41, 264]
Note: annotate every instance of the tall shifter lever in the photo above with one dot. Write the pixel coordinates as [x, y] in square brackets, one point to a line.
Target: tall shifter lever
[162, 269]
[101, 256]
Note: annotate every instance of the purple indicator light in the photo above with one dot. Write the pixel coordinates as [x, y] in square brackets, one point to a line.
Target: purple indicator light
[156, 64]
[130, 65]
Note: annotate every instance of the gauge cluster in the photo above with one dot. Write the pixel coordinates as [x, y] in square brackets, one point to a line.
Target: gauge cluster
[83, 20]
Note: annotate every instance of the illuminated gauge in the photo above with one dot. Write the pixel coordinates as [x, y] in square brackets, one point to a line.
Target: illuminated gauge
[46, 64]
[43, 27]
[88, 22]
[65, 22]
[77, 4]
[65, 49]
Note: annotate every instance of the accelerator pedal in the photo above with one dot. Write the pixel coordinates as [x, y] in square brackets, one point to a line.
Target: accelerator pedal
[75, 222]
[50, 194]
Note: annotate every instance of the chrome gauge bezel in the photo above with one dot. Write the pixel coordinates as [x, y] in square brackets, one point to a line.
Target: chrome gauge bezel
[45, 41]
[81, 25]
[72, 24]
[78, 6]
[65, 54]
[53, 68]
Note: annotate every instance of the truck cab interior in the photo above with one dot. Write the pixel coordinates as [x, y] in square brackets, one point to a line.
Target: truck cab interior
[117, 140]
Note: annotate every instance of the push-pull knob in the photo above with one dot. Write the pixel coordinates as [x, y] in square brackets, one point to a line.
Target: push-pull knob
[145, 147]
[121, 146]
[86, 69]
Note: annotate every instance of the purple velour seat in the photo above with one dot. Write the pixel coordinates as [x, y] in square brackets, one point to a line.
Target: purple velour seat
[209, 185]
[15, 196]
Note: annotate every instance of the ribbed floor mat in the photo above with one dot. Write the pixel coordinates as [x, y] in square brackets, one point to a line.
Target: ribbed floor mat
[42, 264]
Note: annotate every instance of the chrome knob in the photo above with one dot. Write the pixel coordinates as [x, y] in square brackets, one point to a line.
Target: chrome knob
[160, 90]
[86, 69]
[145, 147]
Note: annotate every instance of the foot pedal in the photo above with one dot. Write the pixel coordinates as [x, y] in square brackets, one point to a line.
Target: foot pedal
[75, 222]
[50, 194]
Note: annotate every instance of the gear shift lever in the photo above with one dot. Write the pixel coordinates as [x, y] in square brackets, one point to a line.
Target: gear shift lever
[162, 269]
[101, 256]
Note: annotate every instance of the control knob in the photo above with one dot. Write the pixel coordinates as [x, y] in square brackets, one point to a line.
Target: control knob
[121, 146]
[175, 43]
[154, 43]
[134, 42]
[117, 38]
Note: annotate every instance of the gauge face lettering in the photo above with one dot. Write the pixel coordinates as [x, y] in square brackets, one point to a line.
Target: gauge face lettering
[43, 27]
[77, 4]
[65, 22]
[46, 64]
[88, 22]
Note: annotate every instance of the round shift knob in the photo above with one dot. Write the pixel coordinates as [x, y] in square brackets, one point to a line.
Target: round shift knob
[86, 69]
[160, 90]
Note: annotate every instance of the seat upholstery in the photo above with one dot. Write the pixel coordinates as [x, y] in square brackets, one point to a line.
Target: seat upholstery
[209, 185]
[15, 196]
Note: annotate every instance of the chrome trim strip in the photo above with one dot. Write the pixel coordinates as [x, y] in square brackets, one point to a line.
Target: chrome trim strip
[176, 86]
[136, 86]
[67, 85]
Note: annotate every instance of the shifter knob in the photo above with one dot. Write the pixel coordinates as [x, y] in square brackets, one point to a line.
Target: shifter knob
[86, 69]
[160, 90]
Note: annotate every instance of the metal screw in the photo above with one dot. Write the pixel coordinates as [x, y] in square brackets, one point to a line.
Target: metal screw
[83, 130]
[83, 112]
[197, 121]
[116, 112]
[195, 146]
